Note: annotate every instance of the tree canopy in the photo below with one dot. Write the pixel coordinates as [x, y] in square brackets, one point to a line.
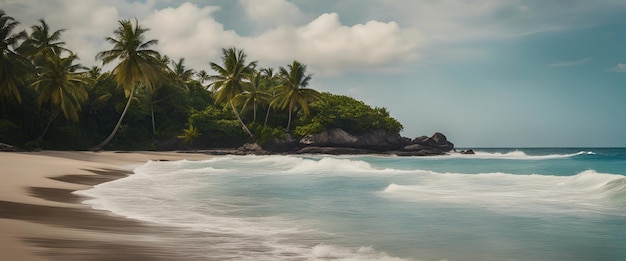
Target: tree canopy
[214, 107]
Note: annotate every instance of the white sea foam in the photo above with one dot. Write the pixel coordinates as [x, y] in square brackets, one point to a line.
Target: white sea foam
[197, 196]
[585, 193]
[515, 155]
[333, 252]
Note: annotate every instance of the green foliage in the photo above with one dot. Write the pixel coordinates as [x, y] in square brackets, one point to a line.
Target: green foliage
[219, 128]
[189, 134]
[231, 78]
[339, 111]
[292, 92]
[266, 133]
[7, 127]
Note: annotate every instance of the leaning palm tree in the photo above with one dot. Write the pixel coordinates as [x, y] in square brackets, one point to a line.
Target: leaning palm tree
[255, 91]
[138, 65]
[10, 60]
[271, 83]
[230, 79]
[61, 83]
[292, 91]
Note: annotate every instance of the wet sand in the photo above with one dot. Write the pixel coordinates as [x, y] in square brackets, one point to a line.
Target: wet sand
[41, 219]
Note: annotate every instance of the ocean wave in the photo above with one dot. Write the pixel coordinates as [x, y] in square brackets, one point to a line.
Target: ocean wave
[516, 155]
[584, 193]
[363, 253]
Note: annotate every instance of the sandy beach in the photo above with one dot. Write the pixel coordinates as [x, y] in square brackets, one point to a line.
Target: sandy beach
[40, 218]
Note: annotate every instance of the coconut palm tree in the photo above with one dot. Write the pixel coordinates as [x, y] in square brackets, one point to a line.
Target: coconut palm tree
[42, 42]
[61, 83]
[271, 82]
[255, 91]
[203, 76]
[292, 91]
[10, 60]
[138, 64]
[189, 134]
[178, 77]
[181, 73]
[229, 82]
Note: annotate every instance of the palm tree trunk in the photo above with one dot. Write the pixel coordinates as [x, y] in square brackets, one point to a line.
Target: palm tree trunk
[232, 105]
[117, 126]
[254, 108]
[40, 139]
[289, 121]
[152, 114]
[267, 114]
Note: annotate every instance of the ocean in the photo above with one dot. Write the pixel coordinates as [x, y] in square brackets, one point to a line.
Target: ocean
[499, 204]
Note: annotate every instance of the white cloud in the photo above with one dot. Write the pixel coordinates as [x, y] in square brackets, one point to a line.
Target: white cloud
[620, 67]
[87, 23]
[324, 44]
[328, 46]
[570, 63]
[190, 32]
[272, 13]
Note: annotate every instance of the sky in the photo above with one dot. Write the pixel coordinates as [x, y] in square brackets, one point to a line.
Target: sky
[486, 73]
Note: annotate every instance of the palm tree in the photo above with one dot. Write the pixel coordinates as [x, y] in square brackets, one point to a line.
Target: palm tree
[62, 85]
[42, 43]
[10, 60]
[255, 91]
[230, 79]
[189, 134]
[138, 66]
[292, 91]
[272, 82]
[203, 76]
[178, 77]
[181, 73]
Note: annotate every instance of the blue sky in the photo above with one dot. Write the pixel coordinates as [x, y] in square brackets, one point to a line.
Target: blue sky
[487, 73]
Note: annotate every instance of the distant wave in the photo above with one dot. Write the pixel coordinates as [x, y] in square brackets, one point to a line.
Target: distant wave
[584, 193]
[517, 155]
[333, 252]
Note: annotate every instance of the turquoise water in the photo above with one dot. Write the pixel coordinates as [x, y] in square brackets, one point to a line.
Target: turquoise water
[500, 204]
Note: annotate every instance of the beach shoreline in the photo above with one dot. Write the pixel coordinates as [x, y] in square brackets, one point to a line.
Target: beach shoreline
[42, 219]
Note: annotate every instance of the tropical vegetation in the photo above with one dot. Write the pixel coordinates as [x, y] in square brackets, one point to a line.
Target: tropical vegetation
[148, 101]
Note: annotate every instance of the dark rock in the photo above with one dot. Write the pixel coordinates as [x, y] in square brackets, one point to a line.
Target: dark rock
[332, 137]
[332, 150]
[470, 151]
[9, 148]
[284, 144]
[338, 141]
[381, 140]
[251, 148]
[378, 140]
[422, 152]
[438, 144]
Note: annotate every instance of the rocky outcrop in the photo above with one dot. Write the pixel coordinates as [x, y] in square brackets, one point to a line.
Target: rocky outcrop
[251, 148]
[437, 144]
[338, 141]
[381, 140]
[330, 138]
[333, 150]
[283, 144]
[377, 140]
